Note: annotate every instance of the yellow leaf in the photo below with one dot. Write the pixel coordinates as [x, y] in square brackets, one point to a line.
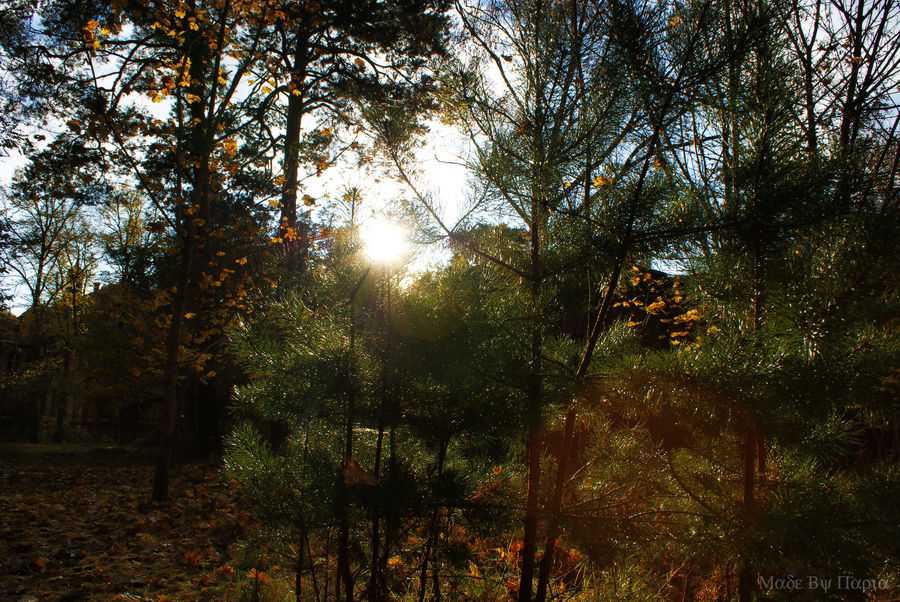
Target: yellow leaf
[394, 561]
[656, 306]
[473, 570]
[188, 316]
[179, 13]
[241, 261]
[91, 25]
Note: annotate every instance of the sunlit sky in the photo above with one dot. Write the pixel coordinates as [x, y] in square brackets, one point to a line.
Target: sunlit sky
[440, 174]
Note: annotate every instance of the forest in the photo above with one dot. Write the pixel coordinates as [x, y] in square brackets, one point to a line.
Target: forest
[450, 300]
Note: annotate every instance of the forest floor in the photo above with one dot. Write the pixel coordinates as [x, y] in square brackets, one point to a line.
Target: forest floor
[76, 523]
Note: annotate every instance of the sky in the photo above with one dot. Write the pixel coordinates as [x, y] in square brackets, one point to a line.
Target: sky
[440, 174]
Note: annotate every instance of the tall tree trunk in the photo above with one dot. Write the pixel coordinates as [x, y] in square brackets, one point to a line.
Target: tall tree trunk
[745, 576]
[432, 526]
[535, 393]
[298, 566]
[294, 232]
[189, 226]
[170, 373]
[343, 573]
[555, 506]
[374, 581]
[529, 540]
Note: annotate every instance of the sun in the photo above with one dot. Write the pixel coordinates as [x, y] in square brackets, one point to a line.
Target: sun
[385, 242]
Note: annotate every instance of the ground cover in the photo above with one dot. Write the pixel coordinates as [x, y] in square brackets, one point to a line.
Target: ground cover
[76, 524]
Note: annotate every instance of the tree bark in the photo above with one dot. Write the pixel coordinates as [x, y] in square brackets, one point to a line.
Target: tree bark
[555, 506]
[170, 374]
[293, 232]
[535, 389]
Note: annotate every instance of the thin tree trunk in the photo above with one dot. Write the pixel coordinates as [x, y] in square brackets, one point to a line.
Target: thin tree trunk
[533, 445]
[432, 526]
[745, 576]
[298, 567]
[390, 527]
[312, 570]
[529, 542]
[170, 374]
[343, 555]
[376, 536]
[555, 506]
